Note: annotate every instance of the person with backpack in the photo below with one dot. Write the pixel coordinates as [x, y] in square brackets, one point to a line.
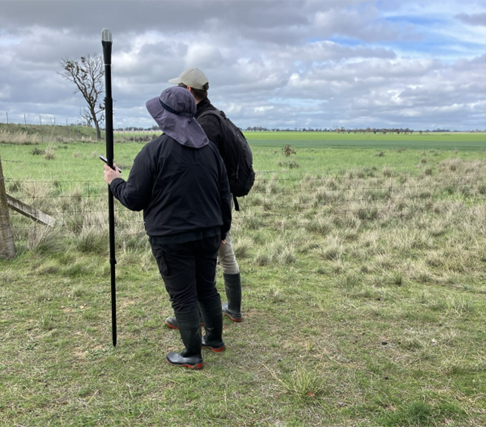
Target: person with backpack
[180, 182]
[237, 157]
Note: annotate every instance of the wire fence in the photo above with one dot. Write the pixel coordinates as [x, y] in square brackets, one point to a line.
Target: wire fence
[49, 121]
[43, 119]
[279, 196]
[42, 128]
[35, 119]
[273, 200]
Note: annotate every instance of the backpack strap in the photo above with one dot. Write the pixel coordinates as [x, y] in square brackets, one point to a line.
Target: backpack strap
[215, 113]
[221, 116]
[210, 112]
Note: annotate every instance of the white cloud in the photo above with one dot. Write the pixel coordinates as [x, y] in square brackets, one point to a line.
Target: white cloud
[203, 56]
[263, 109]
[269, 63]
[362, 24]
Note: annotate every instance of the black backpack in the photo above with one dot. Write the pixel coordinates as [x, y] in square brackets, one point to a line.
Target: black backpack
[236, 155]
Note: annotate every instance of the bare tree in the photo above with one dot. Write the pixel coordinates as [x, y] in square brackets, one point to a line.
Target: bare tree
[87, 74]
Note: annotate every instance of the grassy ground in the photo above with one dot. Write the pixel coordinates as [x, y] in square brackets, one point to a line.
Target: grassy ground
[364, 296]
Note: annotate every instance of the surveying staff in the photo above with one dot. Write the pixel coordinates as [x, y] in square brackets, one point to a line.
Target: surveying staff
[179, 181]
[197, 84]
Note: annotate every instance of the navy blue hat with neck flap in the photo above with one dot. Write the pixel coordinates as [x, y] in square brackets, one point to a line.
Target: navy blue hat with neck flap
[174, 112]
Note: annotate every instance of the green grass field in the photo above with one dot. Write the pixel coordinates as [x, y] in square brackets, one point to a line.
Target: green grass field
[364, 292]
[416, 141]
[316, 153]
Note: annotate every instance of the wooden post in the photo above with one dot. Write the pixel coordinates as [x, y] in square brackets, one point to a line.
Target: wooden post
[7, 247]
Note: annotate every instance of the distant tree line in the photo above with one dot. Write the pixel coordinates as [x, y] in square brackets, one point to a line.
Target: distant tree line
[354, 130]
[368, 130]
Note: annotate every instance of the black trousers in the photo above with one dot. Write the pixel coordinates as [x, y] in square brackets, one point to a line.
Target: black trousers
[188, 270]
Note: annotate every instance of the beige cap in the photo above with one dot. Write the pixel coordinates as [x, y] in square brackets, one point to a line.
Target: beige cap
[193, 77]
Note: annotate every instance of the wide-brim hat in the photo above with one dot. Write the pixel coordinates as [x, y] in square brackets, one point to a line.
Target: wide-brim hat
[174, 112]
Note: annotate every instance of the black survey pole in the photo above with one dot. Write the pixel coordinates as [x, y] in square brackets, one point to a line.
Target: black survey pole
[106, 42]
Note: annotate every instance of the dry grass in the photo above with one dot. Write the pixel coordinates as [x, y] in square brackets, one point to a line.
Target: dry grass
[18, 138]
[424, 230]
[391, 222]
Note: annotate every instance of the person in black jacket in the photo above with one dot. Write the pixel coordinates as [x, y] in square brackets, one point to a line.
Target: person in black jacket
[179, 181]
[197, 84]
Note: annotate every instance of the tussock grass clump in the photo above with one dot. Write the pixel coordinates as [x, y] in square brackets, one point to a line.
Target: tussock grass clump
[47, 322]
[332, 251]
[14, 186]
[35, 190]
[280, 251]
[273, 186]
[302, 383]
[92, 240]
[322, 226]
[262, 258]
[451, 164]
[349, 280]
[256, 199]
[302, 199]
[459, 305]
[37, 152]
[253, 221]
[44, 240]
[242, 247]
[18, 138]
[49, 153]
[324, 195]
[259, 185]
[291, 164]
[275, 295]
[286, 255]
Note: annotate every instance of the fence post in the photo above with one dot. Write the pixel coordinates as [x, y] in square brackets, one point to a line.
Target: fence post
[7, 247]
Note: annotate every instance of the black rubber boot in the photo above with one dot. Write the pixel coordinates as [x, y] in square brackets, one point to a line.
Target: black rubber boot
[232, 286]
[171, 322]
[213, 326]
[190, 330]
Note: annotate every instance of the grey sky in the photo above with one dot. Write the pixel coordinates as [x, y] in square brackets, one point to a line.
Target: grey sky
[269, 63]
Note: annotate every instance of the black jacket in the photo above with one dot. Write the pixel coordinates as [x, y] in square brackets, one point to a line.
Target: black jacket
[180, 189]
[210, 124]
